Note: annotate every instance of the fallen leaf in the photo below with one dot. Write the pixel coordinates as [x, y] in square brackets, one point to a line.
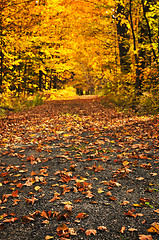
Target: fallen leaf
[102, 228]
[139, 214]
[145, 237]
[109, 194]
[130, 190]
[100, 190]
[132, 229]
[31, 200]
[72, 231]
[62, 230]
[154, 228]
[44, 214]
[113, 199]
[125, 202]
[37, 188]
[45, 222]
[15, 193]
[48, 237]
[156, 211]
[90, 231]
[68, 207]
[140, 178]
[122, 229]
[82, 215]
[10, 220]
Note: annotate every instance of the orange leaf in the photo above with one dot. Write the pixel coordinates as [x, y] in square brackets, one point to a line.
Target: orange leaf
[132, 229]
[125, 202]
[122, 229]
[90, 231]
[102, 228]
[108, 193]
[10, 220]
[82, 215]
[130, 190]
[44, 214]
[15, 193]
[154, 228]
[145, 237]
[156, 211]
[113, 199]
[48, 237]
[62, 230]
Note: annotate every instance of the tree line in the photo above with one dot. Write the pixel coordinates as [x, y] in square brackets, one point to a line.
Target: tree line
[90, 44]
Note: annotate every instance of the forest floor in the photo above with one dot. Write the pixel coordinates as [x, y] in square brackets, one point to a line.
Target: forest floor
[76, 169]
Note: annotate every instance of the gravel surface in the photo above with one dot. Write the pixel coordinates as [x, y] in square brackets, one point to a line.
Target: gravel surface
[77, 170]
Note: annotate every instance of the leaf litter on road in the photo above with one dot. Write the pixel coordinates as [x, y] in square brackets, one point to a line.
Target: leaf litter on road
[72, 165]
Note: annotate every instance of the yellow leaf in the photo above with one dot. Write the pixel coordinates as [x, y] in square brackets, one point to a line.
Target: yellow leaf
[37, 188]
[48, 237]
[136, 205]
[100, 190]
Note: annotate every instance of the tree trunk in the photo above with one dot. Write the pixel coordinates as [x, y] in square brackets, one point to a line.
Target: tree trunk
[40, 80]
[123, 40]
[138, 72]
[149, 31]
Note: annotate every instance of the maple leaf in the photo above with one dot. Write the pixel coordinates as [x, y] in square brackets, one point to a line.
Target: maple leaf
[15, 193]
[90, 231]
[130, 213]
[56, 196]
[31, 200]
[44, 214]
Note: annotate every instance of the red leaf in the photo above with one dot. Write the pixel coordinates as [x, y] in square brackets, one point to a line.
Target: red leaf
[82, 215]
[15, 193]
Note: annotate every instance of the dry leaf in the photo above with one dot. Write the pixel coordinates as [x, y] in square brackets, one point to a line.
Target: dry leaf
[48, 237]
[108, 193]
[68, 207]
[90, 231]
[122, 229]
[145, 237]
[72, 231]
[132, 229]
[82, 215]
[154, 228]
[140, 178]
[130, 190]
[156, 211]
[113, 199]
[125, 202]
[102, 228]
[139, 214]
